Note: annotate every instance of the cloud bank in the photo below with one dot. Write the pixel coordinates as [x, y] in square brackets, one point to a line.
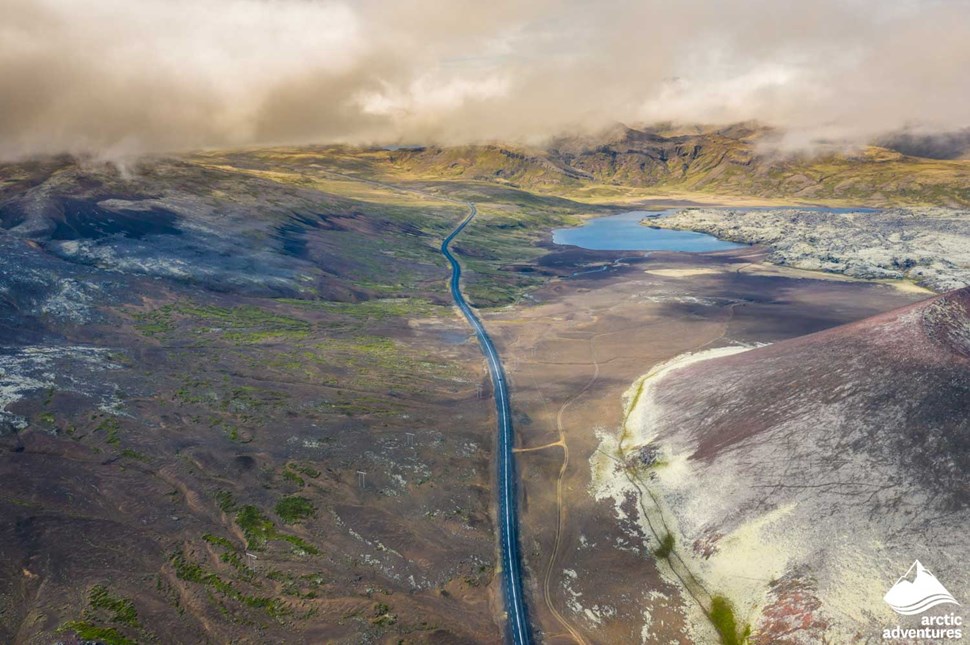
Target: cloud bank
[115, 77]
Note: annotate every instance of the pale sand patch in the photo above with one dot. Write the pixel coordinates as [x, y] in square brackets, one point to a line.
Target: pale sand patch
[747, 560]
[905, 286]
[792, 272]
[683, 273]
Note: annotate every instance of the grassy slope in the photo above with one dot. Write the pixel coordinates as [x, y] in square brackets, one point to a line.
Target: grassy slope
[510, 222]
[709, 164]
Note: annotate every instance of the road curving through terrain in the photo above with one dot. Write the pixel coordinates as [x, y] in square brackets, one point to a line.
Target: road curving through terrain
[517, 622]
[517, 619]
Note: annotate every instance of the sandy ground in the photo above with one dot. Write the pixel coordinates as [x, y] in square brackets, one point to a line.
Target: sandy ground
[572, 352]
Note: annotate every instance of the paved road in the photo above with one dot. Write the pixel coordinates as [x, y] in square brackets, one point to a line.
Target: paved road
[518, 623]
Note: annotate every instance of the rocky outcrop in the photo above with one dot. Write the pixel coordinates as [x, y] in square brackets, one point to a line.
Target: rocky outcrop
[930, 246]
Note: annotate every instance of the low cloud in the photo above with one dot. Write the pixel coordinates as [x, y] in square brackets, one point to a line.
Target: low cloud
[115, 78]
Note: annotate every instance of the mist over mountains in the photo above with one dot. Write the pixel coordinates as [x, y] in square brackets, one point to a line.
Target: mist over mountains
[119, 79]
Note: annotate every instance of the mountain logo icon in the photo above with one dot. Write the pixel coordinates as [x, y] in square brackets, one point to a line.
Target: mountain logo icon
[910, 597]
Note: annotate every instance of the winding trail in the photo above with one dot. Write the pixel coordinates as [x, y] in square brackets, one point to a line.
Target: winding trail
[517, 620]
[560, 506]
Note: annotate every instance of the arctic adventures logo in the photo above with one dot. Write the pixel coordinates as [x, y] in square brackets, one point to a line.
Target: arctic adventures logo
[910, 597]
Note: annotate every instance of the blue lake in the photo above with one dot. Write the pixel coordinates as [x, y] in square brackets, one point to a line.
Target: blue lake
[624, 232]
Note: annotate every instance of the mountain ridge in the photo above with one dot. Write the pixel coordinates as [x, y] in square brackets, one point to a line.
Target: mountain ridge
[741, 159]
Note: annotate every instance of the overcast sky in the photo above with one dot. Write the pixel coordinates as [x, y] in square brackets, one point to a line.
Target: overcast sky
[117, 77]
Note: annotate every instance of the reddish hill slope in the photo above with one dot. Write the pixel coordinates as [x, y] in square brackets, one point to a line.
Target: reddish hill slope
[806, 476]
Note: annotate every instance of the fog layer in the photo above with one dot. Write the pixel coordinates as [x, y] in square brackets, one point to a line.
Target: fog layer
[115, 77]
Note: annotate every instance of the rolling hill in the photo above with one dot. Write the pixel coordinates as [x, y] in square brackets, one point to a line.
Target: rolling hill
[738, 160]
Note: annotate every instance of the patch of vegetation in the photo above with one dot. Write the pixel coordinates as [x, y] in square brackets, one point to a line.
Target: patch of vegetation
[154, 323]
[302, 546]
[134, 454]
[722, 616]
[295, 508]
[110, 426]
[230, 555]
[309, 471]
[192, 572]
[666, 546]
[218, 540]
[257, 528]
[122, 610]
[225, 501]
[243, 324]
[305, 586]
[105, 607]
[291, 476]
[383, 616]
[88, 631]
[372, 310]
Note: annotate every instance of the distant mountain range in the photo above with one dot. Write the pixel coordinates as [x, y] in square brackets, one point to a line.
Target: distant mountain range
[741, 160]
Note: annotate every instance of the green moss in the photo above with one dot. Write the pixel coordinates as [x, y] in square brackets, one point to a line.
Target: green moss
[192, 572]
[218, 540]
[122, 610]
[189, 571]
[105, 607]
[225, 500]
[722, 616]
[666, 546]
[294, 508]
[88, 631]
[301, 545]
[257, 528]
[111, 427]
[291, 476]
[154, 323]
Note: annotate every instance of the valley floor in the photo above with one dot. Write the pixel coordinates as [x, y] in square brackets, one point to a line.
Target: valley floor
[571, 354]
[238, 404]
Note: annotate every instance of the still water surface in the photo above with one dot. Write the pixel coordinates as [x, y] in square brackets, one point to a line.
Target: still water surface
[624, 232]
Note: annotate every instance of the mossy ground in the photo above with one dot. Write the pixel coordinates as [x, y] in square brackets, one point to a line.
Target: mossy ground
[108, 618]
[722, 616]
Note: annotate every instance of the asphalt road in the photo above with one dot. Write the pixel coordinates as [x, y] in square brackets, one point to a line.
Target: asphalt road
[517, 620]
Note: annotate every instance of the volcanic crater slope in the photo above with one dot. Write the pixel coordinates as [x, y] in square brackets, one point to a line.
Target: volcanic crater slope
[804, 477]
